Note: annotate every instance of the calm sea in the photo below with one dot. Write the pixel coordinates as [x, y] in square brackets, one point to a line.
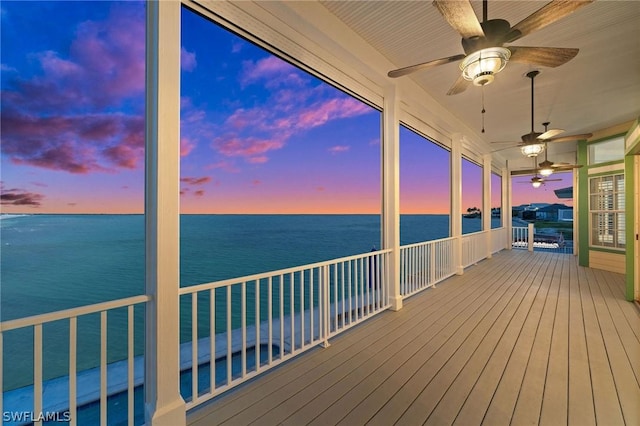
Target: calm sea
[54, 262]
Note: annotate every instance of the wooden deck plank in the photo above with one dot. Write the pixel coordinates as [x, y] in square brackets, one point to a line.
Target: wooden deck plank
[396, 353]
[605, 399]
[499, 382]
[529, 402]
[285, 389]
[481, 348]
[581, 410]
[356, 394]
[555, 398]
[456, 349]
[444, 396]
[376, 398]
[627, 386]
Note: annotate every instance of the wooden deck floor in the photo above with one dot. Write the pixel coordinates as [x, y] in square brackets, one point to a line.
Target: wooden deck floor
[523, 338]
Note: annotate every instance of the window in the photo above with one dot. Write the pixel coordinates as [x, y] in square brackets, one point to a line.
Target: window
[471, 197]
[496, 201]
[425, 197]
[605, 151]
[606, 198]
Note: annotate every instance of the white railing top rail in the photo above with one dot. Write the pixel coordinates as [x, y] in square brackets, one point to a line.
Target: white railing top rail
[72, 312]
[423, 243]
[231, 281]
[471, 234]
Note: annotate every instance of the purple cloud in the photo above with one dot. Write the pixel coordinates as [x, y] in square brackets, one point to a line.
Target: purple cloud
[62, 117]
[196, 181]
[18, 197]
[251, 148]
[187, 60]
[339, 148]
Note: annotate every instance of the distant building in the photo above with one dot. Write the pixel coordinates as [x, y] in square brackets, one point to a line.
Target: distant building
[543, 211]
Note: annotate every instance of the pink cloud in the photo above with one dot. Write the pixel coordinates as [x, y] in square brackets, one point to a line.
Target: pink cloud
[186, 146]
[273, 70]
[248, 147]
[199, 193]
[256, 182]
[339, 148]
[187, 60]
[322, 112]
[258, 160]
[320, 188]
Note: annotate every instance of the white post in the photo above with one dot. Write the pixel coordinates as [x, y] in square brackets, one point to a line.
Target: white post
[456, 200]
[506, 212]
[163, 403]
[530, 232]
[391, 192]
[486, 202]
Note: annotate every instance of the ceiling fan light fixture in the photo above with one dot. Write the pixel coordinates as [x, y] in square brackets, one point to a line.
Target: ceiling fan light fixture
[532, 150]
[546, 172]
[481, 66]
[536, 184]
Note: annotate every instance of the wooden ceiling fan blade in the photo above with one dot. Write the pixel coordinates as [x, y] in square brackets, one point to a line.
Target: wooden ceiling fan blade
[569, 167]
[571, 138]
[524, 172]
[505, 148]
[461, 16]
[550, 134]
[546, 56]
[459, 86]
[418, 67]
[551, 180]
[548, 14]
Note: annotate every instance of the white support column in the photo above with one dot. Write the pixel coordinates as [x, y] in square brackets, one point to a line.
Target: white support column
[456, 199]
[486, 201]
[507, 209]
[163, 403]
[391, 192]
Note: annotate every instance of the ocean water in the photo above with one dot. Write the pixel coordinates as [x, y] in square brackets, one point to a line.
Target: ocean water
[55, 262]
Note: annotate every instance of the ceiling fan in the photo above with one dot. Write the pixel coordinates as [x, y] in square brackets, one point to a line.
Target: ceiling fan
[536, 180]
[547, 168]
[533, 143]
[483, 42]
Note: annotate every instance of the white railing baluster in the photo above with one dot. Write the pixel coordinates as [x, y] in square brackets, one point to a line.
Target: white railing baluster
[349, 284]
[281, 283]
[243, 329]
[270, 327]
[311, 308]
[37, 371]
[292, 314]
[194, 346]
[130, 365]
[212, 338]
[344, 300]
[302, 310]
[229, 330]
[103, 367]
[73, 353]
[257, 325]
[334, 287]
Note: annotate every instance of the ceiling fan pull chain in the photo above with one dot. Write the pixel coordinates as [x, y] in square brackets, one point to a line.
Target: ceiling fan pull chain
[483, 110]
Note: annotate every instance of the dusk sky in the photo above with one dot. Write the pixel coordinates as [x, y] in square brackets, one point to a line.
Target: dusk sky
[258, 135]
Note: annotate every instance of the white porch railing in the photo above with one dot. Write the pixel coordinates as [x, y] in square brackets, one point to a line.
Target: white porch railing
[60, 399]
[261, 320]
[423, 265]
[474, 248]
[520, 237]
[257, 321]
[498, 239]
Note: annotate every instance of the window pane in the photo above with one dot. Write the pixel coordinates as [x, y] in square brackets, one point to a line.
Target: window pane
[610, 150]
[278, 167]
[496, 200]
[424, 188]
